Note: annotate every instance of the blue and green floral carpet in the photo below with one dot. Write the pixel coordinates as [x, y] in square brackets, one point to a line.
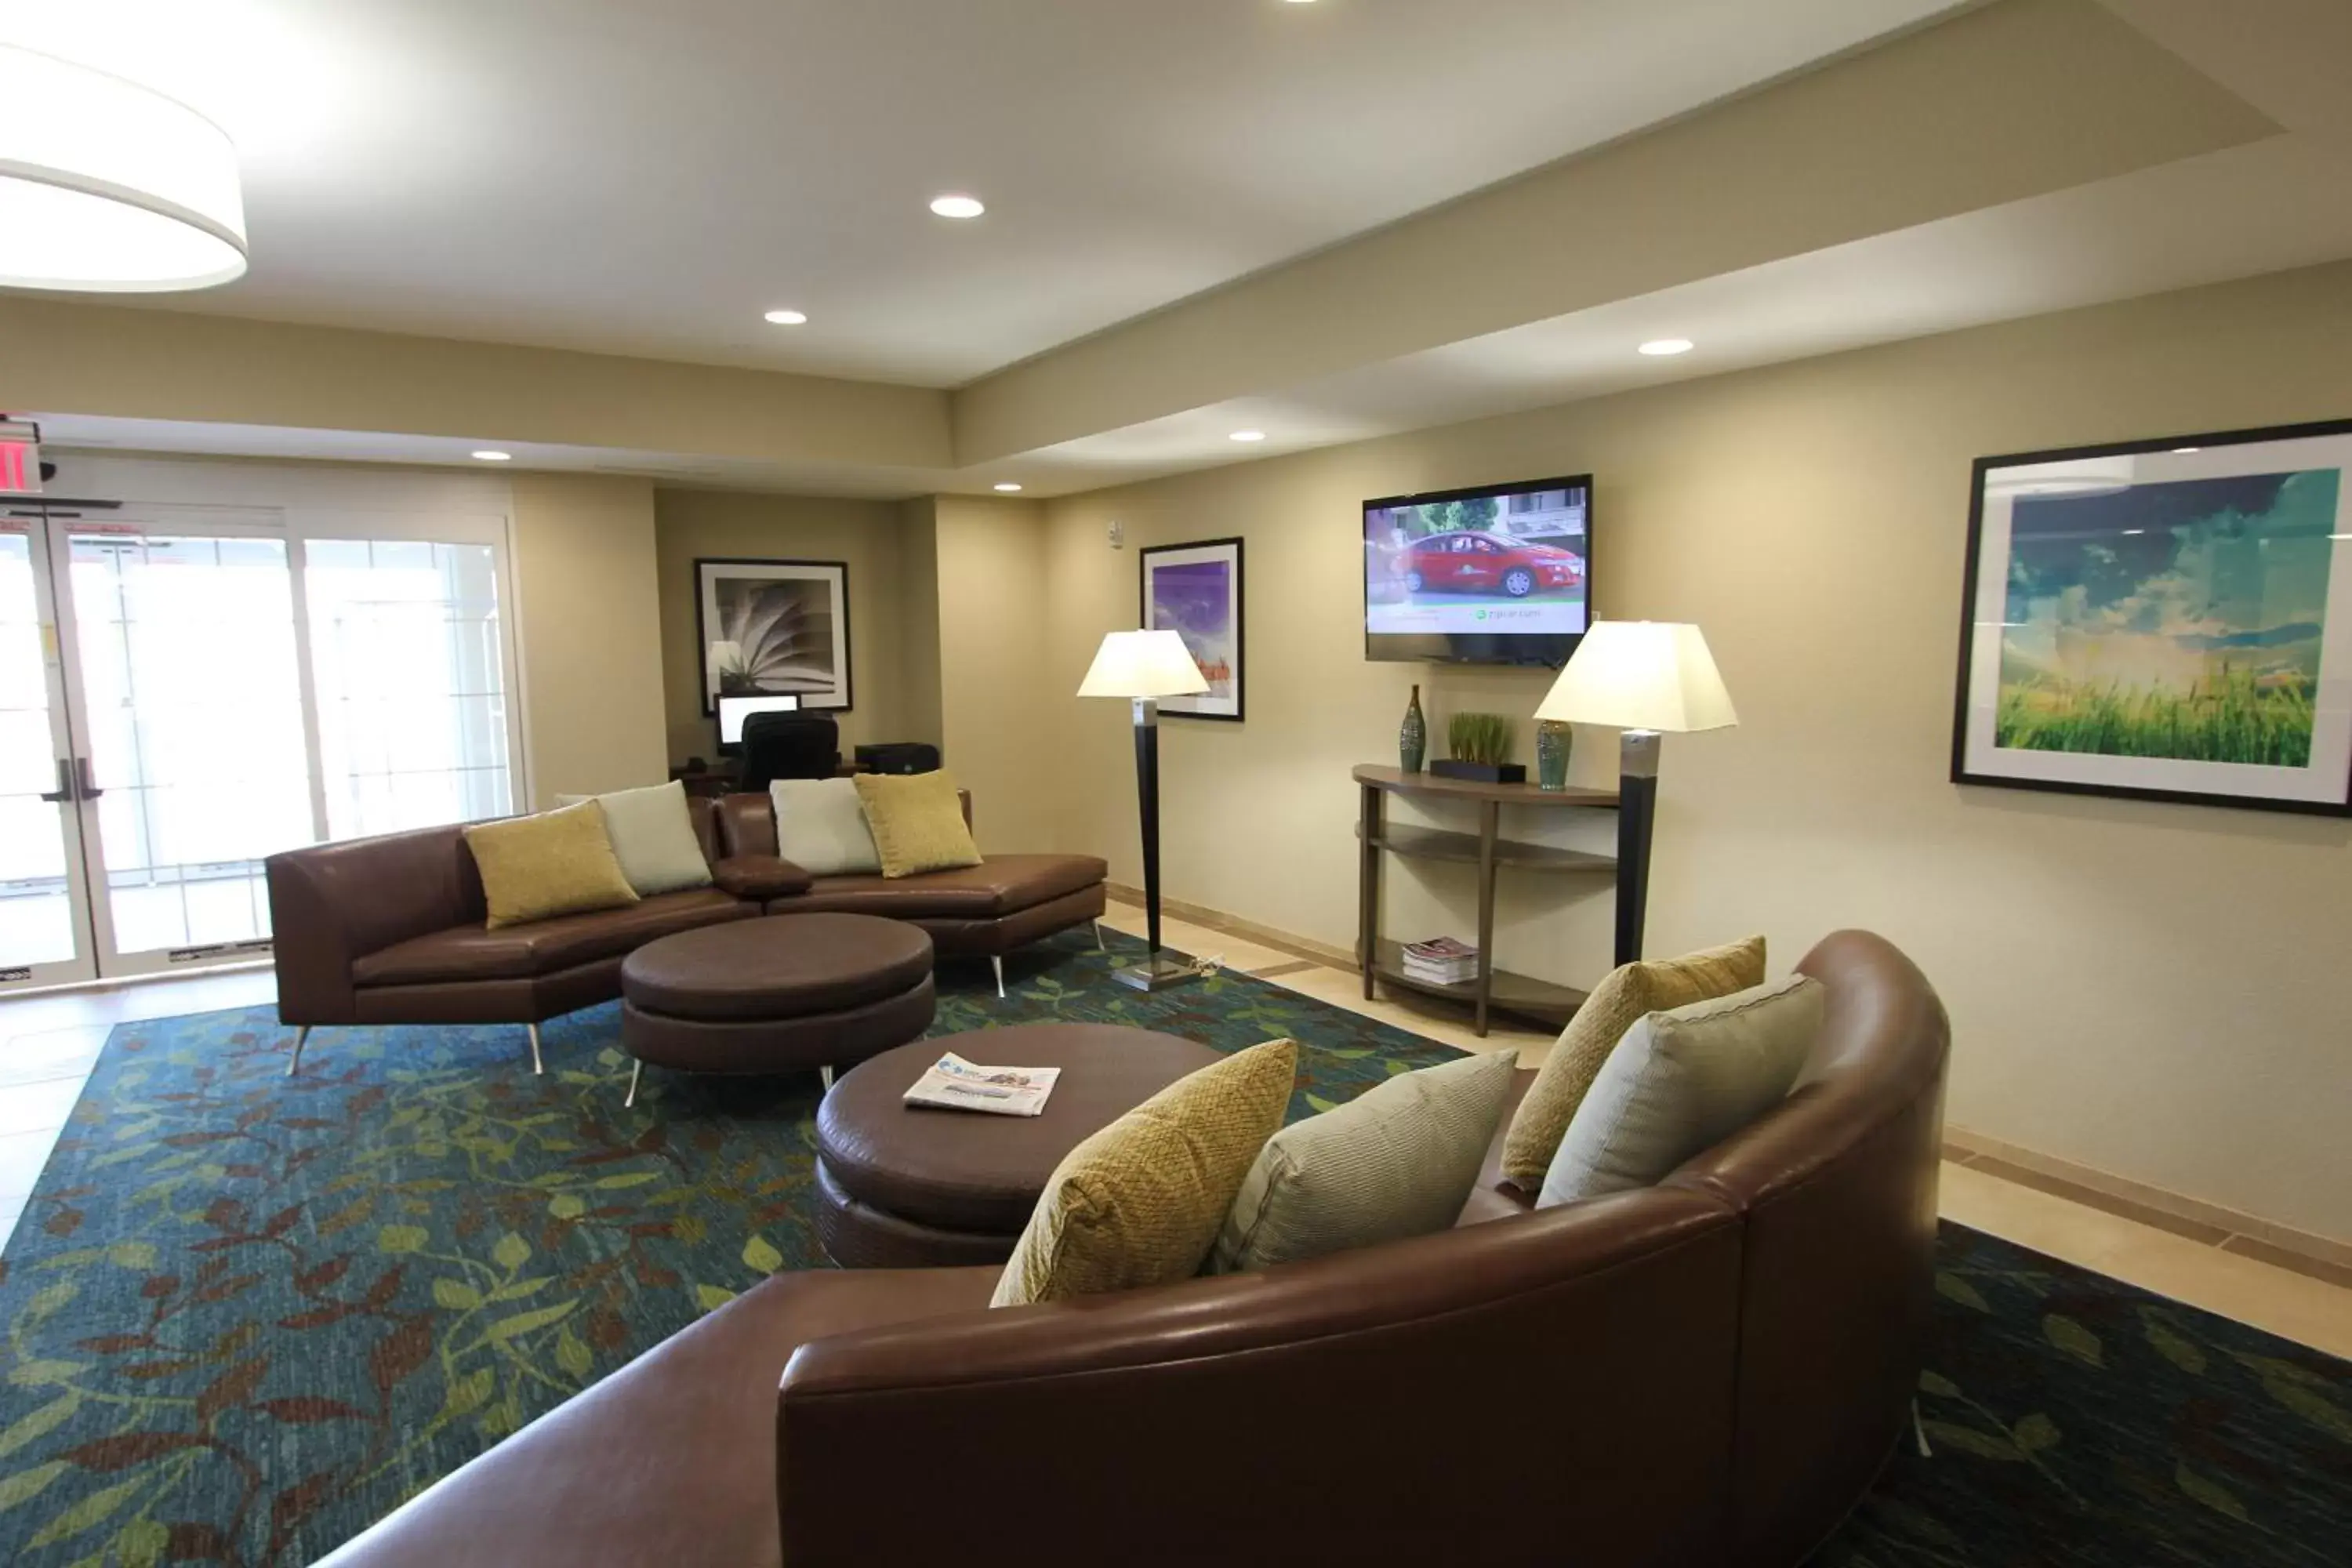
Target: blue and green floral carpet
[244, 1316]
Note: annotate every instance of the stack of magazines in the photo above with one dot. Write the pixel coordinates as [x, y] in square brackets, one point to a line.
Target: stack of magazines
[952, 1083]
[1440, 962]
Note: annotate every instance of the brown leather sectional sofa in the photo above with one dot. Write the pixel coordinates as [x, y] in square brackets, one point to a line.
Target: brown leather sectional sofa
[1704, 1374]
[390, 930]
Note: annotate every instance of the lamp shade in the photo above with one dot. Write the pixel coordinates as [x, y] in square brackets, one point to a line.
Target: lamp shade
[1143, 664]
[107, 186]
[1642, 675]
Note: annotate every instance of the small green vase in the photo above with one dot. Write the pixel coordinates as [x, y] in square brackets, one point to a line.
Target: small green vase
[1413, 736]
[1552, 740]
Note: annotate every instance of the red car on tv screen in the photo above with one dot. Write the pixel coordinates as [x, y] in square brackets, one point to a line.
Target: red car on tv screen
[1470, 559]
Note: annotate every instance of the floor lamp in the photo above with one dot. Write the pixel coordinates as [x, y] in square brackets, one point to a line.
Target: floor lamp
[1643, 677]
[1144, 667]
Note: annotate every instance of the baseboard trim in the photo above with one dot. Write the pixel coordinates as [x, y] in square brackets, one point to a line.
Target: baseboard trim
[2301, 1251]
[1330, 957]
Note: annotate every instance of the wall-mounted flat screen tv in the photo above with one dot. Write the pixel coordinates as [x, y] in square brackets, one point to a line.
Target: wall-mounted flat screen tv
[1499, 575]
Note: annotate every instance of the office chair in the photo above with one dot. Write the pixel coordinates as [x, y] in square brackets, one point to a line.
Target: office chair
[789, 746]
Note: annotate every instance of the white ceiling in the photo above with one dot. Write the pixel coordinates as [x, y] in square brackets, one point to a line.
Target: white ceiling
[646, 179]
[2276, 205]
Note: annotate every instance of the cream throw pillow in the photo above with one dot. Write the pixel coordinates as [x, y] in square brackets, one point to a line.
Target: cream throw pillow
[918, 822]
[1140, 1202]
[557, 863]
[653, 837]
[1683, 1082]
[821, 827]
[1615, 1005]
[1398, 1160]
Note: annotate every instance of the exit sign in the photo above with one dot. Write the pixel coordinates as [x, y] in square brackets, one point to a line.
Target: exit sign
[20, 458]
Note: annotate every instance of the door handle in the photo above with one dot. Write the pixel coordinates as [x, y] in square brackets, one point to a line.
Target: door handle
[64, 792]
[90, 790]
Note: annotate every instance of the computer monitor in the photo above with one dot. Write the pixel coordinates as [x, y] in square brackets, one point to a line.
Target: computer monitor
[733, 710]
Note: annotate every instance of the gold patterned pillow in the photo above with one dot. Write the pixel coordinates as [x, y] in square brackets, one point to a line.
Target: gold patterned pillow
[917, 821]
[1626, 996]
[556, 863]
[1140, 1202]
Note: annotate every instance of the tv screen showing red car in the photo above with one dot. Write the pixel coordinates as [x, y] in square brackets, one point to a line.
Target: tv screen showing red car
[1500, 575]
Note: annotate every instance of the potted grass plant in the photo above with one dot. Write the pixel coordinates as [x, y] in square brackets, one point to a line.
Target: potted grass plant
[1480, 748]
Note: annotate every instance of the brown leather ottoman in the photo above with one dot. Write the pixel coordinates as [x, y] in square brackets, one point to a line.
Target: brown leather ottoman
[779, 995]
[901, 1186]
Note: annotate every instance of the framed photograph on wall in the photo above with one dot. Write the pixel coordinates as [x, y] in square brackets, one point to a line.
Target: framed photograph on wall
[1195, 591]
[767, 628]
[2163, 620]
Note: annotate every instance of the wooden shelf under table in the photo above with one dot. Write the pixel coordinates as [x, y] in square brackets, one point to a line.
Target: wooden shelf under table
[1511, 993]
[1436, 844]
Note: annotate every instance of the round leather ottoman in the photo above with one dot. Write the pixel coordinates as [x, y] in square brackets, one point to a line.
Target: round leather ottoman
[902, 1186]
[781, 995]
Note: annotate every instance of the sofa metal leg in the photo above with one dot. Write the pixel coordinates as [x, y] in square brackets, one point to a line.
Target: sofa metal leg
[1919, 1431]
[998, 965]
[536, 1064]
[300, 1036]
[635, 1073]
[1100, 945]
[825, 1076]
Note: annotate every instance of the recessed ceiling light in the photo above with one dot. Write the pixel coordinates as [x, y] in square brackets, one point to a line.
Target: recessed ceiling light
[957, 206]
[787, 318]
[2184, 451]
[2132, 530]
[494, 456]
[1009, 488]
[1659, 348]
[1249, 435]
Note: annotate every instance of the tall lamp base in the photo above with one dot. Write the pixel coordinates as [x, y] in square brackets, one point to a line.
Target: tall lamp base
[1637, 808]
[1160, 972]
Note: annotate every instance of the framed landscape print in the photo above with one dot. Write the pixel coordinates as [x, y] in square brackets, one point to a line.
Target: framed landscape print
[2169, 620]
[1195, 591]
[767, 628]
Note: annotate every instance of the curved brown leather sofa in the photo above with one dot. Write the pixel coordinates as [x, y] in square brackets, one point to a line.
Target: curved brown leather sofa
[390, 930]
[1708, 1372]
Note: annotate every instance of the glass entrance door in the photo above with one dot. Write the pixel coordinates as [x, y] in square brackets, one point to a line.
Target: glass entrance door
[44, 902]
[197, 763]
[187, 687]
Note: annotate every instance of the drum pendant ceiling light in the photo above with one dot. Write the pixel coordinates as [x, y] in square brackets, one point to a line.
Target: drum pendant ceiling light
[107, 186]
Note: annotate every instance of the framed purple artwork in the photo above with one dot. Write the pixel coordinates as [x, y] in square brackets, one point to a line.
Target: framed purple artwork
[1195, 591]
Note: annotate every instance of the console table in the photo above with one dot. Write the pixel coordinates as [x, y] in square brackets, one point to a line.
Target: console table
[1493, 990]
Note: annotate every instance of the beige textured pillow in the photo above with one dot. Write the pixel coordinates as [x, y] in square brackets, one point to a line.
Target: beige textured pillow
[1140, 1202]
[557, 863]
[1681, 1083]
[918, 822]
[1397, 1160]
[652, 830]
[1616, 1005]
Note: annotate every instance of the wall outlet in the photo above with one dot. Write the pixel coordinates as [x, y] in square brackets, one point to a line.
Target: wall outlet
[1117, 535]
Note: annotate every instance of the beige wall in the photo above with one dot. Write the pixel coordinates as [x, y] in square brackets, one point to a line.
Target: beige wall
[864, 534]
[139, 363]
[590, 633]
[918, 622]
[998, 701]
[2156, 991]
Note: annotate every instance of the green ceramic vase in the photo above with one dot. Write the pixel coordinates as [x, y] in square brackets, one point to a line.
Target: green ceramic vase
[1413, 736]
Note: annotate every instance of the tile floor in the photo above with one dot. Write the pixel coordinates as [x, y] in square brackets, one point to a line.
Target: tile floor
[48, 1043]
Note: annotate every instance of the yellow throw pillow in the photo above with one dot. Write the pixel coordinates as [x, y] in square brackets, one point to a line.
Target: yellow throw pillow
[557, 863]
[1141, 1201]
[917, 821]
[1617, 1003]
